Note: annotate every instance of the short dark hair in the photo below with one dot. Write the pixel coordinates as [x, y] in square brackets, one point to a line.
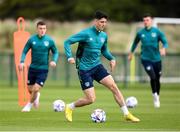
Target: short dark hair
[41, 23]
[100, 14]
[147, 15]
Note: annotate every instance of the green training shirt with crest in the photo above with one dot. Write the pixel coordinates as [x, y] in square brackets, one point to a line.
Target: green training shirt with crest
[92, 43]
[40, 49]
[150, 43]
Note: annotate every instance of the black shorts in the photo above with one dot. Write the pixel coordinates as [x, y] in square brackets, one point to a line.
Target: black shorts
[37, 76]
[87, 77]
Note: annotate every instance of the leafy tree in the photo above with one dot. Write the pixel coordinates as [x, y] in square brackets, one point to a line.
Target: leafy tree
[70, 10]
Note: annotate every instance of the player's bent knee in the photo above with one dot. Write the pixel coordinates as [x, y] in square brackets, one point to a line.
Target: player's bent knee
[91, 100]
[35, 89]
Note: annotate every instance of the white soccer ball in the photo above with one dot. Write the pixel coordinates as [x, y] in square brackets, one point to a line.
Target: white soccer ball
[131, 102]
[58, 105]
[98, 116]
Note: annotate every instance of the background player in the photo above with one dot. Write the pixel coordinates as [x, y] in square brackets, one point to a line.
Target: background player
[150, 54]
[40, 45]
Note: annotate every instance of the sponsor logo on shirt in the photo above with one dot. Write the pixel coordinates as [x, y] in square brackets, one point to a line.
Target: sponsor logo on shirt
[46, 43]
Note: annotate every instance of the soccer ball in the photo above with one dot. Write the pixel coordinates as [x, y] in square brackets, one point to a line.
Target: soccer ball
[58, 105]
[131, 102]
[98, 116]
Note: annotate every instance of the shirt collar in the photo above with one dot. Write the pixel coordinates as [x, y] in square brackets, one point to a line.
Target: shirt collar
[148, 28]
[40, 37]
[95, 30]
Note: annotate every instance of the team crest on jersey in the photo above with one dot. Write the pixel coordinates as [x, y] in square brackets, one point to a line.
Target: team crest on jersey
[33, 42]
[153, 35]
[102, 40]
[142, 35]
[46, 43]
[91, 39]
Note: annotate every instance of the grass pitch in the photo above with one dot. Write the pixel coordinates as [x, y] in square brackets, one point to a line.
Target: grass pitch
[166, 118]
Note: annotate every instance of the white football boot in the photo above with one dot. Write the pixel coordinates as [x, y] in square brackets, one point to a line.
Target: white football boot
[27, 108]
[156, 100]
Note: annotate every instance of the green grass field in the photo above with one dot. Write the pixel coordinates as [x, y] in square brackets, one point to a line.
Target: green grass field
[166, 118]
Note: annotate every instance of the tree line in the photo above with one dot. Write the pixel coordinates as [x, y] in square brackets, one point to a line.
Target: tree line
[72, 10]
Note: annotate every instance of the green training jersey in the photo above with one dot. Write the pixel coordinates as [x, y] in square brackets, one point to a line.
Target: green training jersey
[92, 44]
[40, 49]
[150, 43]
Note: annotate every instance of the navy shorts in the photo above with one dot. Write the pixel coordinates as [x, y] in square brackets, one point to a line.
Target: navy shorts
[87, 77]
[37, 76]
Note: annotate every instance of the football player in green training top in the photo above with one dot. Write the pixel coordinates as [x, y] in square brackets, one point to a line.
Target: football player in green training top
[92, 42]
[40, 45]
[151, 54]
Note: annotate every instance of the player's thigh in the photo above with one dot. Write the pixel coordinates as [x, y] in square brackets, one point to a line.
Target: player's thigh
[149, 68]
[34, 88]
[85, 79]
[100, 73]
[158, 68]
[90, 93]
[102, 76]
[41, 78]
[31, 78]
[109, 82]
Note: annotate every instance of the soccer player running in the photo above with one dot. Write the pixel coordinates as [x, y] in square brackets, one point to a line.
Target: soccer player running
[92, 43]
[151, 54]
[40, 45]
